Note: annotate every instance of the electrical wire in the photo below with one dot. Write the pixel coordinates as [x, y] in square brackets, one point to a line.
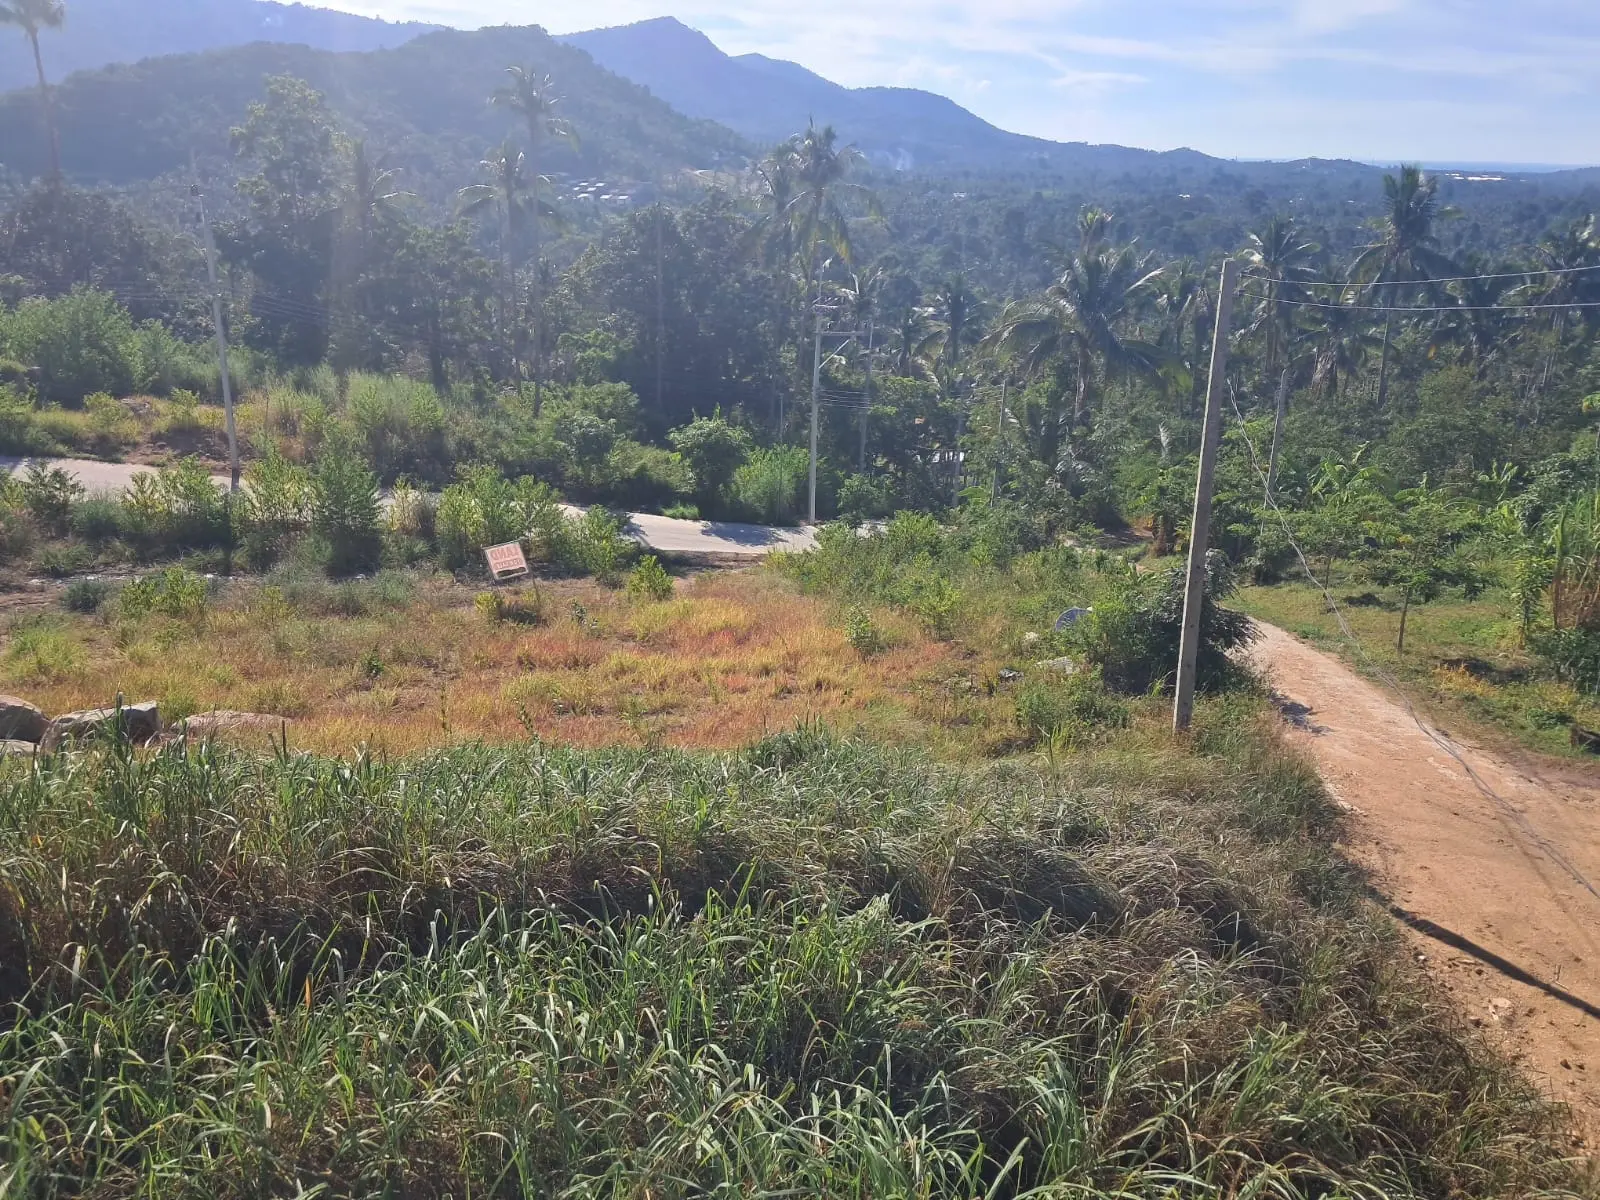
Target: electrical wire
[1441, 308]
[1330, 283]
[1504, 808]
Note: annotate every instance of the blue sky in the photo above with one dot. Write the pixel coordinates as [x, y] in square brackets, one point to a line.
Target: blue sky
[1383, 80]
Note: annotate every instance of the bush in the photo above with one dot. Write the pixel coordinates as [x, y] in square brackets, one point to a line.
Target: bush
[97, 519]
[713, 450]
[400, 423]
[862, 632]
[594, 545]
[166, 366]
[767, 488]
[514, 605]
[49, 494]
[175, 592]
[1572, 655]
[86, 595]
[20, 432]
[345, 511]
[482, 508]
[276, 508]
[1134, 633]
[1072, 709]
[649, 580]
[864, 498]
[80, 344]
[179, 508]
[638, 476]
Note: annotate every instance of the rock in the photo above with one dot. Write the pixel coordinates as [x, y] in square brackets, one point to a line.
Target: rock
[1031, 639]
[1008, 675]
[226, 721]
[140, 723]
[21, 721]
[12, 746]
[1064, 666]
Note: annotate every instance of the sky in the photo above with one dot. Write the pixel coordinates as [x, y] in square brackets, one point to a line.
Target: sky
[1436, 81]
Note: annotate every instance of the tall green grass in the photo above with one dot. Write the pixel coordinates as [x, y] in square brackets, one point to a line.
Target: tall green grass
[817, 967]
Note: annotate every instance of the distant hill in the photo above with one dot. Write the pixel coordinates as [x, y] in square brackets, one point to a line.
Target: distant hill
[767, 99]
[424, 103]
[101, 32]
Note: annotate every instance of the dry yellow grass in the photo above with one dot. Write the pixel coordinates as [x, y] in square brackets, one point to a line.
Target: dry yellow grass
[728, 658]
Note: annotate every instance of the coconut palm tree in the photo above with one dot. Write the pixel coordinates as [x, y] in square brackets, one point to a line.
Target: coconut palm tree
[506, 196]
[1405, 252]
[533, 97]
[772, 241]
[1079, 320]
[31, 16]
[1476, 319]
[821, 193]
[1282, 259]
[373, 192]
[1339, 334]
[1187, 301]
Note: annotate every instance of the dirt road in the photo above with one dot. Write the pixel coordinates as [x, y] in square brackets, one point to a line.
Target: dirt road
[723, 539]
[1510, 932]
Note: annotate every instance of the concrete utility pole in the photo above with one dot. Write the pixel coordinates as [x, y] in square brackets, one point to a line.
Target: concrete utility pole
[1200, 527]
[816, 398]
[222, 340]
[867, 407]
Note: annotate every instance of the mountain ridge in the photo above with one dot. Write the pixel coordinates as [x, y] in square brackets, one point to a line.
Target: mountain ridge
[101, 33]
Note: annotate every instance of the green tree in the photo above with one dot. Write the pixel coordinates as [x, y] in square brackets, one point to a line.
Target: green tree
[713, 450]
[1080, 318]
[507, 198]
[533, 97]
[1406, 250]
[1421, 552]
[1281, 256]
[32, 17]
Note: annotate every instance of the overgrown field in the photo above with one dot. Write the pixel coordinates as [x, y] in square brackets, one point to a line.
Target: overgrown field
[406, 661]
[894, 957]
[814, 967]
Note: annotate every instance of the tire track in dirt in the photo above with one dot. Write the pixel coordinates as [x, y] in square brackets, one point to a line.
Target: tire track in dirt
[1508, 931]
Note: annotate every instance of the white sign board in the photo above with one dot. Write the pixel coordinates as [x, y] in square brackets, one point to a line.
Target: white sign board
[506, 561]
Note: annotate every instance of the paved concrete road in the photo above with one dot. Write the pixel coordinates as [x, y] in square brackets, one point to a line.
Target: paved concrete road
[666, 534]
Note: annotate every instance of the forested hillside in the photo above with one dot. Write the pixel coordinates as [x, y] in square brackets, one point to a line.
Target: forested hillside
[423, 103]
[102, 32]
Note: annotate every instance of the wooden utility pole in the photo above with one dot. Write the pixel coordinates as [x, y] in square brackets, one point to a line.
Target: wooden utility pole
[222, 341]
[1194, 592]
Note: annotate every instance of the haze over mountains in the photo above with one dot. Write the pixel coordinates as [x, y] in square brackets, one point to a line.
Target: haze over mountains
[101, 32]
[419, 89]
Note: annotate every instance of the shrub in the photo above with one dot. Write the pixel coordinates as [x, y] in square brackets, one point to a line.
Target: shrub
[681, 512]
[344, 511]
[276, 507]
[482, 508]
[177, 509]
[20, 432]
[1071, 709]
[640, 476]
[864, 498]
[63, 559]
[49, 494]
[175, 592]
[86, 595]
[97, 519]
[713, 450]
[862, 632]
[1134, 632]
[80, 343]
[767, 487]
[593, 544]
[400, 423]
[514, 605]
[649, 580]
[166, 366]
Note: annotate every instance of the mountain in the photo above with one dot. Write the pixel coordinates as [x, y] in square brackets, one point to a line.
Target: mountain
[423, 104]
[101, 32]
[768, 99]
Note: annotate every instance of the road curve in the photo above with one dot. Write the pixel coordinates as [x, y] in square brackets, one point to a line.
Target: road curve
[665, 534]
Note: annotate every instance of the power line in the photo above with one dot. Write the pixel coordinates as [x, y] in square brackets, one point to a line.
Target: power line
[1503, 807]
[1426, 308]
[1330, 283]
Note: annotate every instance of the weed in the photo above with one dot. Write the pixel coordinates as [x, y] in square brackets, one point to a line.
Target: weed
[43, 653]
[86, 595]
[862, 632]
[174, 592]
